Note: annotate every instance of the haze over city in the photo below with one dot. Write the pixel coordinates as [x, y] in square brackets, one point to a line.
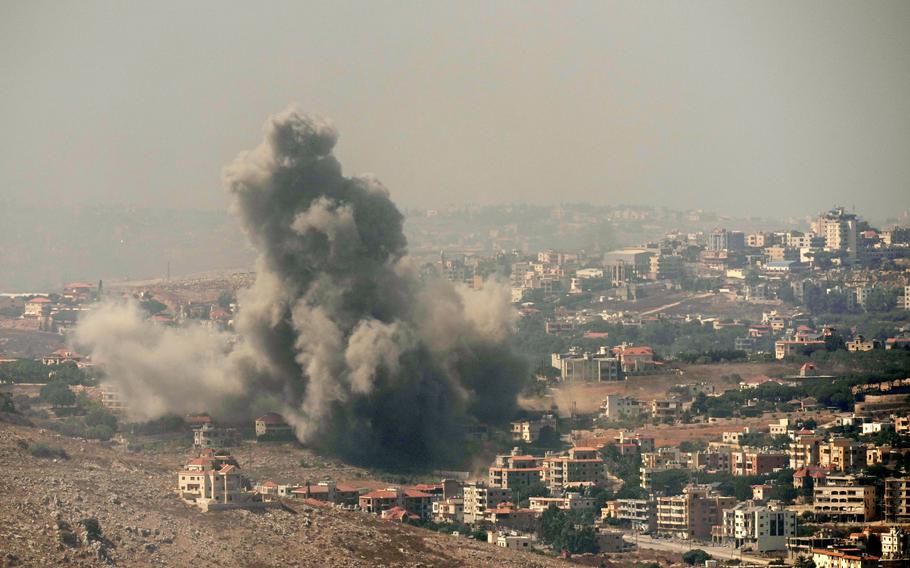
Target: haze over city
[745, 109]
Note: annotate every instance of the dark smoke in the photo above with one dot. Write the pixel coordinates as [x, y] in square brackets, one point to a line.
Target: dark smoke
[364, 359]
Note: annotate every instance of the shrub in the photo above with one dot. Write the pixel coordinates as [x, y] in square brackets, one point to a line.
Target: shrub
[695, 557]
[41, 450]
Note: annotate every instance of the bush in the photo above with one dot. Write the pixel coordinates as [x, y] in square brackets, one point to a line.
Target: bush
[57, 394]
[92, 528]
[41, 450]
[695, 557]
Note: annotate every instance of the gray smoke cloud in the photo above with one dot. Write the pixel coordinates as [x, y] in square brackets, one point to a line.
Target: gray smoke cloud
[364, 358]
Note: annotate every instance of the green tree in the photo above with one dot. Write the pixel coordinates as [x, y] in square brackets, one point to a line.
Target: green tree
[57, 394]
[696, 556]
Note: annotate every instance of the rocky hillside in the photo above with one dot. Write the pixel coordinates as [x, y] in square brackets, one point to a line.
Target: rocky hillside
[48, 503]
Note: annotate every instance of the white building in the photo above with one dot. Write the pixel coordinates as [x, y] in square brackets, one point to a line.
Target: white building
[512, 540]
[759, 528]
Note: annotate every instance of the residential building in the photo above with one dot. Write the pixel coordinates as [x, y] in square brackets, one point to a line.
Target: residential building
[844, 498]
[516, 472]
[327, 491]
[895, 544]
[692, 514]
[640, 513]
[478, 497]
[842, 454]
[511, 540]
[571, 501]
[805, 451]
[210, 436]
[760, 528]
[666, 410]
[789, 347]
[758, 463]
[832, 558]
[896, 502]
[617, 407]
[411, 500]
[213, 481]
[587, 367]
[37, 308]
[582, 467]
[529, 430]
[839, 231]
[634, 359]
[272, 425]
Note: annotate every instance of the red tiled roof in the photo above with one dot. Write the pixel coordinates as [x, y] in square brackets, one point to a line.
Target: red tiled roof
[39, 301]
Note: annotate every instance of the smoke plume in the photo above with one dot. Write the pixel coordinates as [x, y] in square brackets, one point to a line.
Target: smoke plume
[337, 333]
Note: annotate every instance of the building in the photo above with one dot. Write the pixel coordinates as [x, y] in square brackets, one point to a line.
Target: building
[272, 425]
[569, 502]
[805, 451]
[327, 491]
[641, 514]
[790, 347]
[838, 228]
[634, 359]
[844, 498]
[724, 240]
[692, 514]
[842, 454]
[759, 528]
[210, 436]
[511, 540]
[626, 264]
[895, 545]
[529, 430]
[758, 463]
[214, 481]
[581, 467]
[37, 308]
[896, 502]
[587, 367]
[617, 407]
[666, 410]
[516, 472]
[478, 497]
[831, 558]
[411, 500]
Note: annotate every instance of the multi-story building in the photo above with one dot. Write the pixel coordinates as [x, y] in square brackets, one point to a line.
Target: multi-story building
[411, 500]
[210, 436]
[839, 231]
[640, 513]
[571, 501]
[581, 467]
[617, 407]
[587, 367]
[844, 498]
[529, 430]
[805, 451]
[762, 528]
[896, 502]
[758, 463]
[833, 558]
[516, 472]
[478, 497]
[213, 480]
[895, 544]
[666, 410]
[842, 454]
[692, 514]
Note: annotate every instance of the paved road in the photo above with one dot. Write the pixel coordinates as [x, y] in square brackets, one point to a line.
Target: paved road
[674, 304]
[676, 546]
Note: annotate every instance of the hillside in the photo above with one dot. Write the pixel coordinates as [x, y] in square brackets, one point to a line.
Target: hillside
[144, 524]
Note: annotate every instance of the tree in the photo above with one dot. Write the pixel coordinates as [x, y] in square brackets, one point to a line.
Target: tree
[696, 556]
[57, 394]
[92, 528]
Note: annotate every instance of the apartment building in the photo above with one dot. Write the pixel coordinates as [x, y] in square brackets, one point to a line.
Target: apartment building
[805, 451]
[896, 502]
[587, 367]
[640, 513]
[832, 558]
[842, 454]
[617, 407]
[692, 514]
[529, 430]
[758, 463]
[478, 497]
[582, 466]
[516, 472]
[761, 528]
[844, 498]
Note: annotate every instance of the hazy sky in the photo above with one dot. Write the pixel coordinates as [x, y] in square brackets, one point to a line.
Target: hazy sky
[771, 108]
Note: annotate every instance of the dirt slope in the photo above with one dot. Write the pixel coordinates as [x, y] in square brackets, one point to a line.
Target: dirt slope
[144, 524]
